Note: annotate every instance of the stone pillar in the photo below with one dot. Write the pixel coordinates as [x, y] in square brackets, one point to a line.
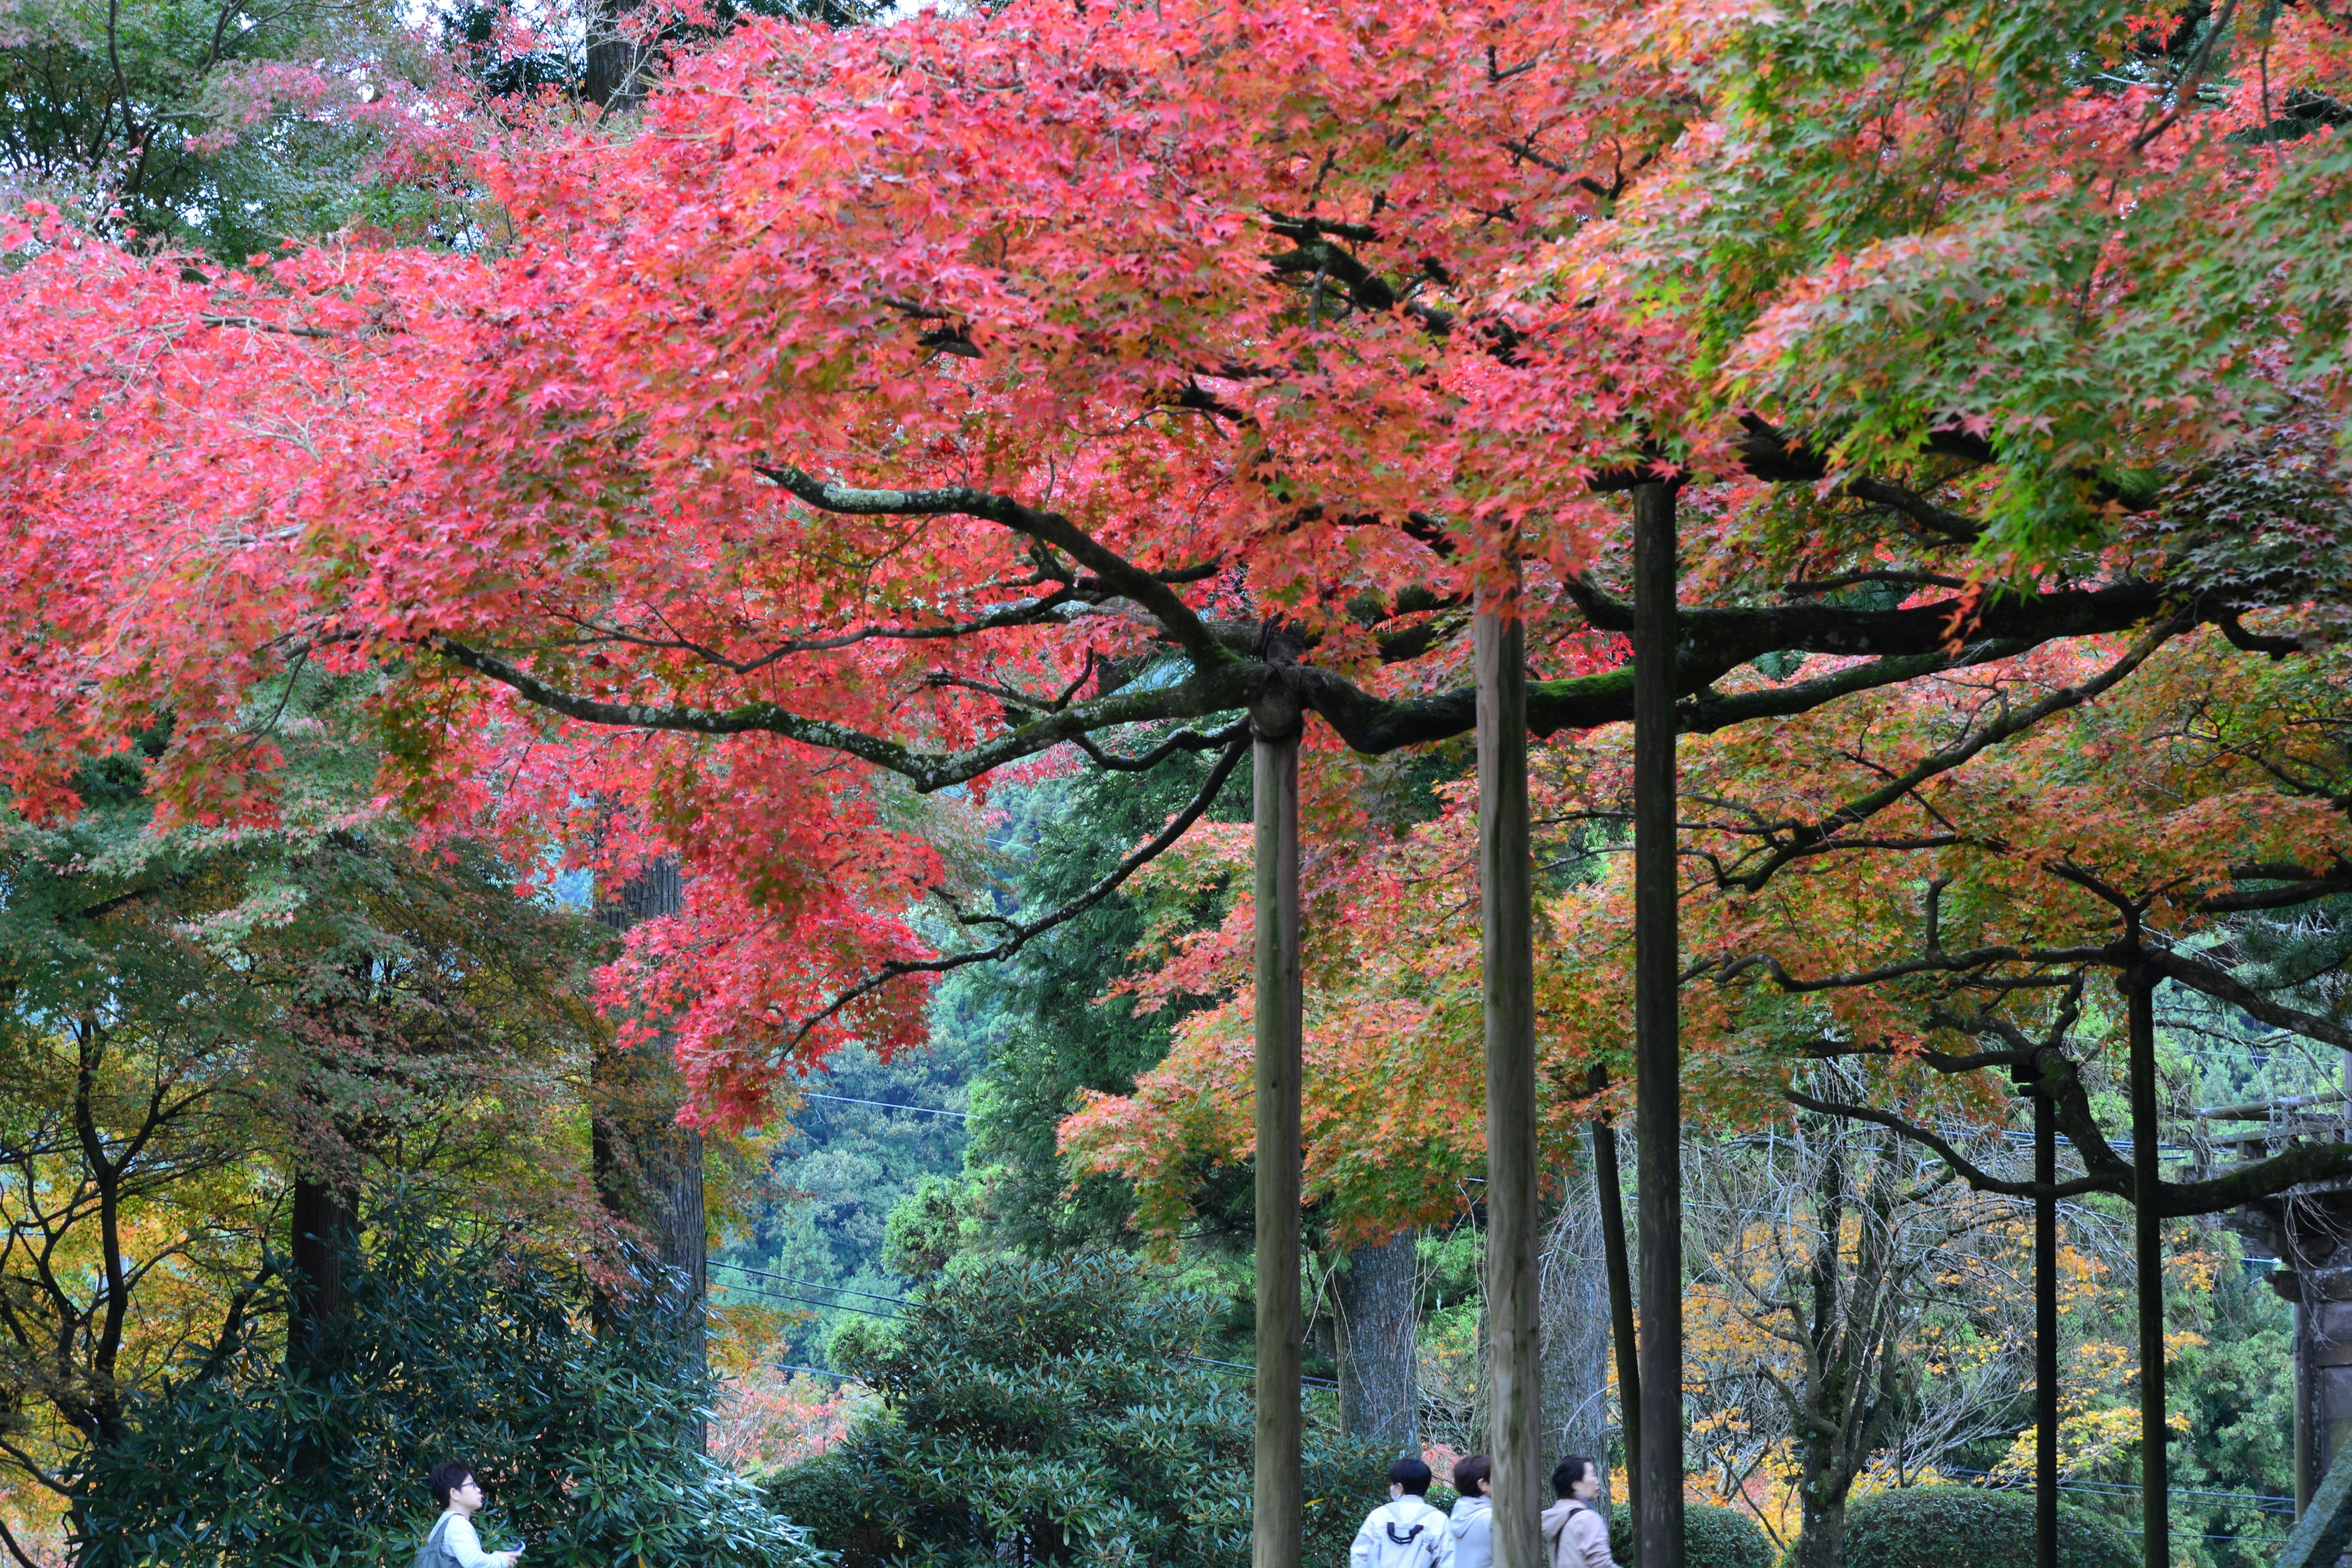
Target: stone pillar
[2323, 1321]
[2309, 1231]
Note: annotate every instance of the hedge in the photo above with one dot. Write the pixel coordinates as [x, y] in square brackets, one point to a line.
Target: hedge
[1968, 1527]
[1712, 1538]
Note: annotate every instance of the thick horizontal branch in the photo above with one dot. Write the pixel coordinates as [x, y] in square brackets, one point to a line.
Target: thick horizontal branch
[1709, 711]
[1935, 962]
[2243, 1185]
[1045, 610]
[1182, 741]
[2258, 1179]
[1942, 1061]
[2291, 885]
[2220, 984]
[1229, 689]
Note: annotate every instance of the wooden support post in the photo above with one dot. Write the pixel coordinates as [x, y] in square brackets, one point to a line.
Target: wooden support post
[1277, 1495]
[1609, 1183]
[2147, 1235]
[1657, 1045]
[2045, 1328]
[1506, 897]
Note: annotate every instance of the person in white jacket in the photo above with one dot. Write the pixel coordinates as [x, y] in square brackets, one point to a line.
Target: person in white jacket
[1472, 1523]
[453, 1540]
[1576, 1531]
[1404, 1532]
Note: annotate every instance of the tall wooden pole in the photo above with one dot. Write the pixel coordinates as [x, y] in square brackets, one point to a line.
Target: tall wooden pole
[2046, 1327]
[1657, 1043]
[1506, 899]
[2147, 1238]
[1609, 1185]
[1276, 1492]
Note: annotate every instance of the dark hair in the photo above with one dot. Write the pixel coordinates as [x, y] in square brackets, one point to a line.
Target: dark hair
[1570, 1471]
[1412, 1475]
[1473, 1469]
[446, 1478]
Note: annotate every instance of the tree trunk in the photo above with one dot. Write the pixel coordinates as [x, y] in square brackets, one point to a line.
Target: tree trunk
[1822, 1435]
[1277, 1495]
[2045, 1335]
[1657, 1049]
[1822, 1542]
[1609, 1185]
[324, 1224]
[1506, 881]
[1379, 1306]
[649, 1169]
[615, 77]
[2147, 1235]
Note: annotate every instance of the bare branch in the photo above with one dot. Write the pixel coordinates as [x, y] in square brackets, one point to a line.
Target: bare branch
[1821, 837]
[1976, 1175]
[1020, 934]
[1051, 527]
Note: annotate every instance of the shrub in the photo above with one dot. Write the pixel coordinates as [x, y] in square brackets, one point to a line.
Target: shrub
[443, 1349]
[1712, 1538]
[1048, 1411]
[1968, 1527]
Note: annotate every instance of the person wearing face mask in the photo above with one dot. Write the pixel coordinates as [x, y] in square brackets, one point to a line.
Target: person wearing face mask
[1472, 1524]
[1576, 1531]
[1404, 1532]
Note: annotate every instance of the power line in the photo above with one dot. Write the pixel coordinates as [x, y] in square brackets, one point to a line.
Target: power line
[2261, 1500]
[887, 1105]
[1244, 1366]
[763, 1291]
[814, 1284]
[901, 1301]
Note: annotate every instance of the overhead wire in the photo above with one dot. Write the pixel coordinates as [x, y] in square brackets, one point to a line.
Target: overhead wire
[902, 1301]
[886, 1104]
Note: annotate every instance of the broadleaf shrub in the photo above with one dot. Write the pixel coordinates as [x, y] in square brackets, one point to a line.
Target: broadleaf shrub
[1970, 1526]
[445, 1348]
[1712, 1538]
[1047, 1412]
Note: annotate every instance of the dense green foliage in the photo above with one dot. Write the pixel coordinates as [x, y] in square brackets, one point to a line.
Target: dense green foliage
[1712, 1538]
[448, 1347]
[211, 123]
[838, 1175]
[1054, 1405]
[867, 1199]
[1049, 1025]
[1966, 1527]
[195, 1021]
[2235, 1386]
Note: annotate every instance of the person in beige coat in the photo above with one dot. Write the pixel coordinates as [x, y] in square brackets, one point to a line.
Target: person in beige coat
[1575, 1532]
